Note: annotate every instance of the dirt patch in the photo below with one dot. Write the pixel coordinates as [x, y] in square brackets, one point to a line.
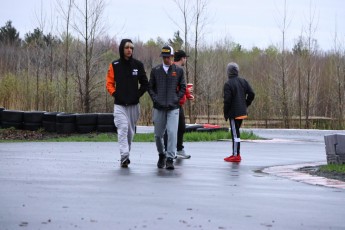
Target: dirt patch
[14, 134]
[315, 170]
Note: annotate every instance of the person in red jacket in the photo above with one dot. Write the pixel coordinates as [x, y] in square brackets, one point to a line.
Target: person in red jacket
[180, 58]
[122, 82]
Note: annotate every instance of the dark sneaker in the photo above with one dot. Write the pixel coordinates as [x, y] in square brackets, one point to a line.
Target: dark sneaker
[170, 164]
[161, 161]
[125, 161]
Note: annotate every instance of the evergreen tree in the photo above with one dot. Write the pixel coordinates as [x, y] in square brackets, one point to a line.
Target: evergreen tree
[9, 34]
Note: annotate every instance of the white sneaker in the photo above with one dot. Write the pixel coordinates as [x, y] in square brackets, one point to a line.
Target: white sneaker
[182, 154]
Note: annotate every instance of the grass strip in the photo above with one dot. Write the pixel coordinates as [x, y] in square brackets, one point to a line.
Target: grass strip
[11, 135]
[339, 168]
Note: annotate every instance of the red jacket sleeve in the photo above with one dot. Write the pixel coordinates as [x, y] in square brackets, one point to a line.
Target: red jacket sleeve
[183, 99]
[110, 80]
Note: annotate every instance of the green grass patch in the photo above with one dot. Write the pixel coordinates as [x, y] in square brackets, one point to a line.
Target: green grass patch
[149, 137]
[339, 168]
[214, 136]
[12, 135]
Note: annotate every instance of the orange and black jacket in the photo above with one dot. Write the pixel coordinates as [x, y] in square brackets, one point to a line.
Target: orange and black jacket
[123, 79]
[238, 95]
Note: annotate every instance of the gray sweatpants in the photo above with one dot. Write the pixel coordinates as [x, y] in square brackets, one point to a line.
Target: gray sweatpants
[125, 119]
[166, 120]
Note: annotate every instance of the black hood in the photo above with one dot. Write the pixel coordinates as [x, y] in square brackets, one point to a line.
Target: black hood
[122, 47]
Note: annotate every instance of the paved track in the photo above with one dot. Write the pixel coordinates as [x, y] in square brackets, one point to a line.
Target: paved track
[81, 186]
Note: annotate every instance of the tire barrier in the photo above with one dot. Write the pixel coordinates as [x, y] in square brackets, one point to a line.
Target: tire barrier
[60, 122]
[1, 109]
[86, 122]
[105, 123]
[65, 123]
[193, 128]
[211, 126]
[12, 118]
[210, 130]
[33, 120]
[205, 128]
[49, 121]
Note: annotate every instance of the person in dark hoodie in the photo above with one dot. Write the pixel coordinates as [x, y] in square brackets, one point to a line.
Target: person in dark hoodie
[167, 86]
[122, 82]
[238, 95]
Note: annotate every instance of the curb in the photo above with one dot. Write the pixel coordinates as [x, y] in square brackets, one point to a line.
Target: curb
[289, 171]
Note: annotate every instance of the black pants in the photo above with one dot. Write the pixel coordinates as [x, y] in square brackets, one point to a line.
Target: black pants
[235, 125]
[180, 131]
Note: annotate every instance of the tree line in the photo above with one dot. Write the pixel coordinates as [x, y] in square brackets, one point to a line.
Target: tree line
[299, 88]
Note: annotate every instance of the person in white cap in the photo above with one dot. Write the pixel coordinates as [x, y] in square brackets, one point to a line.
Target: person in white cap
[167, 85]
[180, 58]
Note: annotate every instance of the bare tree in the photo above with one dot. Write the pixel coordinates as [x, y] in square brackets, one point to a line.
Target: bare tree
[193, 16]
[338, 68]
[283, 69]
[311, 46]
[199, 24]
[300, 52]
[185, 8]
[66, 15]
[34, 43]
[89, 27]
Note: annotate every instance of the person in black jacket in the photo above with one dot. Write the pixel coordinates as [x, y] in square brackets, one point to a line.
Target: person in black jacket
[123, 79]
[180, 58]
[238, 95]
[167, 86]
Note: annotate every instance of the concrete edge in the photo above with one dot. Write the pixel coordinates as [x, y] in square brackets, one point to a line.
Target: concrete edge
[289, 172]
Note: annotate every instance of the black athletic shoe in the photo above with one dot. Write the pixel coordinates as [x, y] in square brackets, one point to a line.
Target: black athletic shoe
[170, 164]
[125, 162]
[161, 161]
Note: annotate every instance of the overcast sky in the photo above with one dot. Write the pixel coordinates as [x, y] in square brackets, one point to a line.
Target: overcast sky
[247, 22]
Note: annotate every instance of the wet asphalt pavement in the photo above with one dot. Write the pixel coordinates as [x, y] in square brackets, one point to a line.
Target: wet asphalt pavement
[81, 186]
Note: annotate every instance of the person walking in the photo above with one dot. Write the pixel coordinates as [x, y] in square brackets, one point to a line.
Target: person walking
[167, 86]
[180, 58]
[238, 95]
[122, 82]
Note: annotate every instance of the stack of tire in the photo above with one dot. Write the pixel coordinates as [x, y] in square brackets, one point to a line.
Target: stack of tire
[205, 128]
[60, 122]
[193, 128]
[33, 120]
[1, 109]
[12, 118]
[49, 121]
[86, 122]
[65, 123]
[105, 123]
